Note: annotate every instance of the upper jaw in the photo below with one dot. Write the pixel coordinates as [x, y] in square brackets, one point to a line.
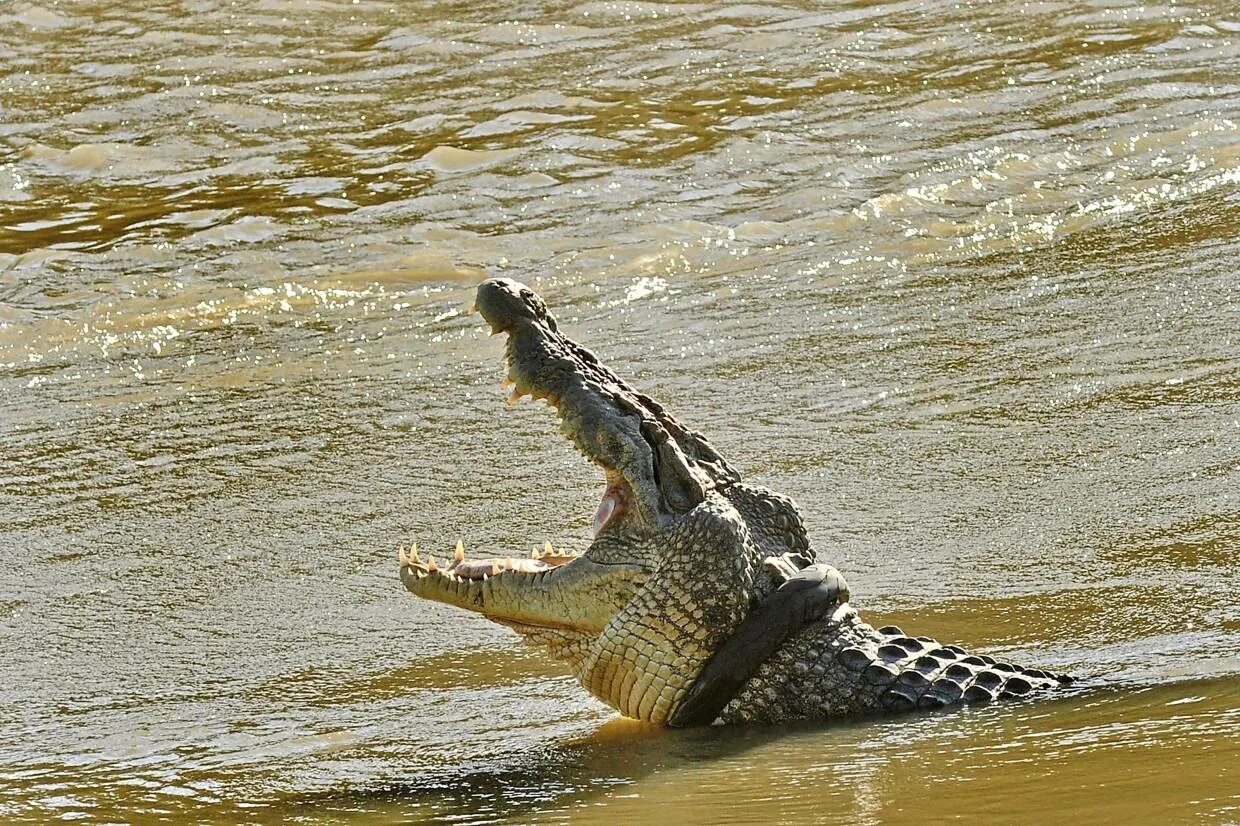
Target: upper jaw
[658, 469]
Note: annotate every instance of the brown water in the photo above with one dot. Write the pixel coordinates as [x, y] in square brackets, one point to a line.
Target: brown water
[960, 277]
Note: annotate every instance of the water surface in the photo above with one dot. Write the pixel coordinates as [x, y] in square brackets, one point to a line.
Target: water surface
[959, 277]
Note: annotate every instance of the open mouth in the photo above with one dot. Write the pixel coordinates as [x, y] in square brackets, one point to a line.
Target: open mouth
[611, 508]
[545, 366]
[614, 503]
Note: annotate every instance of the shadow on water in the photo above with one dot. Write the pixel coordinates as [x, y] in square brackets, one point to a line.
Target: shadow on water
[627, 759]
[620, 753]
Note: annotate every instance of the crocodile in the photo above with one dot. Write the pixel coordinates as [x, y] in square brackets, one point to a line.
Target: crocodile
[700, 598]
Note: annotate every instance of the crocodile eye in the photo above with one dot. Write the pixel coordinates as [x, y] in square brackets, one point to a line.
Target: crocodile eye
[534, 302]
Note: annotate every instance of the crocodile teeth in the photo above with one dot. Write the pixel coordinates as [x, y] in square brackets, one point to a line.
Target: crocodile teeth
[534, 554]
[432, 565]
[409, 558]
[460, 550]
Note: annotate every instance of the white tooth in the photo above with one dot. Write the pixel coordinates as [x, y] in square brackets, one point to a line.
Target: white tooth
[413, 553]
[534, 554]
[432, 565]
[547, 547]
[460, 550]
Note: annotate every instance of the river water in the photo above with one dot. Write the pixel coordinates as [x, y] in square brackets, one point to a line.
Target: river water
[960, 277]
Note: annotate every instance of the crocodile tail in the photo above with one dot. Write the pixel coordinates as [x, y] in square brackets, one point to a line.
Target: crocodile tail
[918, 672]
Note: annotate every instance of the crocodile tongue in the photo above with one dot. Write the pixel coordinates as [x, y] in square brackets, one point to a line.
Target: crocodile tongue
[609, 507]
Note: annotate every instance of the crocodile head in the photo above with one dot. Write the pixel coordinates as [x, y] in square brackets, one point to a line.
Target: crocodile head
[682, 548]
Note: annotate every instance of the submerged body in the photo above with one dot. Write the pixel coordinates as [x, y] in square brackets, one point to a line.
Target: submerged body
[693, 584]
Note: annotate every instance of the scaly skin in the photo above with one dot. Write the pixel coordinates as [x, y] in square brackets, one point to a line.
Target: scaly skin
[684, 552]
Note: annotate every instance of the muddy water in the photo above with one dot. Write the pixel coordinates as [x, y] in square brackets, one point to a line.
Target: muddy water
[959, 277]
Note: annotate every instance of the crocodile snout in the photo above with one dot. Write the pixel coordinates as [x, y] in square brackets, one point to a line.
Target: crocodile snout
[505, 303]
